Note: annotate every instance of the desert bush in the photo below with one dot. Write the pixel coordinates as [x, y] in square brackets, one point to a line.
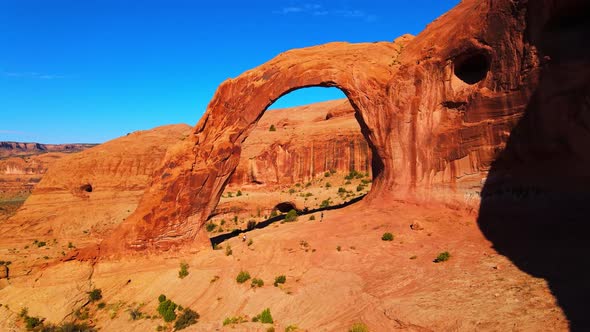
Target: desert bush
[312, 217]
[359, 327]
[135, 314]
[32, 322]
[292, 191]
[272, 128]
[95, 295]
[183, 270]
[264, 317]
[101, 305]
[228, 250]
[360, 188]
[387, 237]
[280, 280]
[166, 309]
[251, 225]
[250, 242]
[257, 283]
[242, 277]
[188, 318]
[234, 320]
[291, 328]
[442, 257]
[341, 190]
[291, 216]
[210, 227]
[239, 193]
[325, 203]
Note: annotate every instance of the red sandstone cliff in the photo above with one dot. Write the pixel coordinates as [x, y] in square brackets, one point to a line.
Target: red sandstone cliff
[308, 141]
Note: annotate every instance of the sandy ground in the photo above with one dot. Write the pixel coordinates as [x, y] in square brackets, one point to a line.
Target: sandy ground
[338, 272]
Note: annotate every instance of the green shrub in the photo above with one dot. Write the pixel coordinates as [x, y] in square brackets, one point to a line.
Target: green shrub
[442, 257]
[280, 280]
[239, 193]
[291, 216]
[327, 174]
[341, 190]
[359, 327]
[312, 217]
[210, 227]
[325, 203]
[328, 185]
[257, 283]
[32, 322]
[272, 128]
[360, 188]
[273, 213]
[242, 277]
[183, 270]
[95, 295]
[70, 245]
[101, 305]
[292, 191]
[188, 318]
[161, 298]
[387, 237]
[264, 317]
[166, 309]
[41, 244]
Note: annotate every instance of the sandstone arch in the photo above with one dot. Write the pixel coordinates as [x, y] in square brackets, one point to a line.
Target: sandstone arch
[433, 135]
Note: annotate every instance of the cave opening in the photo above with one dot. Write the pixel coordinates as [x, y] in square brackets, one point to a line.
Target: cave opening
[472, 68]
[86, 188]
[308, 152]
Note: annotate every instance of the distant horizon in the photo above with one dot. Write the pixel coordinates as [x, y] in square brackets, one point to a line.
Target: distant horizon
[87, 72]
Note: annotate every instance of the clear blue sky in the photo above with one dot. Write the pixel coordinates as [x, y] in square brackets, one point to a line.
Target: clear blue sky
[93, 70]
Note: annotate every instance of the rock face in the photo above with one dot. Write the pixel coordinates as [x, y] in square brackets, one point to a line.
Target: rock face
[436, 110]
[308, 141]
[84, 195]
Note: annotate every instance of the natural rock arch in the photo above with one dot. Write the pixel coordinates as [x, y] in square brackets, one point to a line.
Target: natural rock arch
[188, 186]
[435, 111]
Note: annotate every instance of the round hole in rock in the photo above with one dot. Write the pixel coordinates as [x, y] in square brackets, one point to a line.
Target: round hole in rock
[472, 68]
[87, 188]
[285, 207]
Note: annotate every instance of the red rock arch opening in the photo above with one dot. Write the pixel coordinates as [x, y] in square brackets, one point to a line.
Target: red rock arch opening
[307, 157]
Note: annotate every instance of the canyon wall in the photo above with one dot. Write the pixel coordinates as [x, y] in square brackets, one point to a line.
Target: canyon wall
[308, 141]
